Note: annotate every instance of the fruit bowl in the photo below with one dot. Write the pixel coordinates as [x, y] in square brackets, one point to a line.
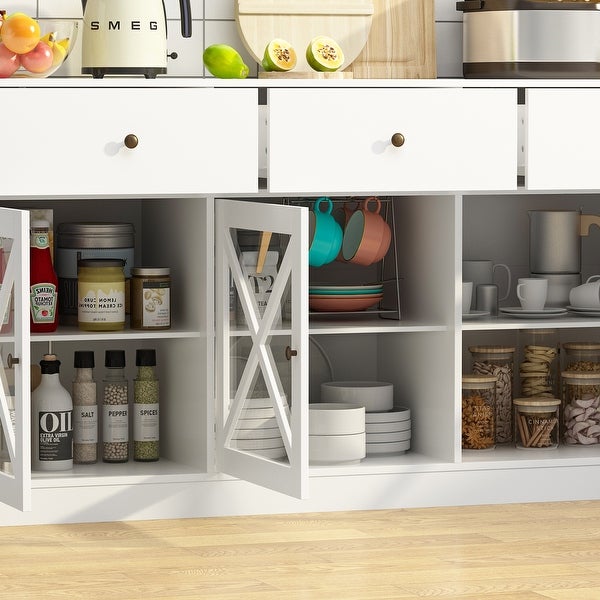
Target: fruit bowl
[30, 48]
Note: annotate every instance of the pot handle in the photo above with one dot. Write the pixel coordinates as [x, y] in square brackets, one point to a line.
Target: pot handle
[586, 221]
[186, 18]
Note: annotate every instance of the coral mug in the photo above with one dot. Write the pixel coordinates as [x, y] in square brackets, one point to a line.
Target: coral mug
[325, 234]
[367, 236]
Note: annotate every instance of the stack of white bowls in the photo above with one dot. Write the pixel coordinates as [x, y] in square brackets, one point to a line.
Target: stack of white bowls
[336, 433]
[388, 430]
[257, 431]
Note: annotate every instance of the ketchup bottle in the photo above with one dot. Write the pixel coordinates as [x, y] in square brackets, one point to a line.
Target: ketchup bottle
[43, 283]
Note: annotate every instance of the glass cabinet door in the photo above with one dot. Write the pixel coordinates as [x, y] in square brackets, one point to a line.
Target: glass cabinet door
[15, 453]
[262, 343]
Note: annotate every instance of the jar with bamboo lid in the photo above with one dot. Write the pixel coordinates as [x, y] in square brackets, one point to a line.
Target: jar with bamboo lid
[478, 412]
[497, 361]
[581, 407]
[582, 356]
[536, 422]
[538, 366]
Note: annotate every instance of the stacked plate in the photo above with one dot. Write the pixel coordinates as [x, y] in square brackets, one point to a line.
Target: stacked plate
[388, 432]
[342, 298]
[257, 430]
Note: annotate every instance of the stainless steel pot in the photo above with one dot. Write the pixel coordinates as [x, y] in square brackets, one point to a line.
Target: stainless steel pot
[555, 240]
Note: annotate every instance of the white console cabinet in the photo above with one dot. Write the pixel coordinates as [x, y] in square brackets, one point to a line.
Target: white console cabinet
[191, 178]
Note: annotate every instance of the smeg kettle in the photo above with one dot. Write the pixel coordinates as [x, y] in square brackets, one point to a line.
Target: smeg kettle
[128, 37]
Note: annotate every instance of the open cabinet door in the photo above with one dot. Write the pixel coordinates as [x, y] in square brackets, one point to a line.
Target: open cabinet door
[262, 343]
[15, 449]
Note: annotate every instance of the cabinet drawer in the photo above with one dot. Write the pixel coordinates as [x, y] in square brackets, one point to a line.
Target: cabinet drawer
[69, 141]
[563, 129]
[340, 140]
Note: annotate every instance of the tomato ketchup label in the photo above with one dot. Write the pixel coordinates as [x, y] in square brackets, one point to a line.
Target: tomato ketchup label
[43, 302]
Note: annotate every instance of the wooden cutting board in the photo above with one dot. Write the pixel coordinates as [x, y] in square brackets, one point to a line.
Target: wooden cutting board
[298, 21]
[401, 43]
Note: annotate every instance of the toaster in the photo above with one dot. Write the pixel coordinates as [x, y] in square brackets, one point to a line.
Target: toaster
[531, 38]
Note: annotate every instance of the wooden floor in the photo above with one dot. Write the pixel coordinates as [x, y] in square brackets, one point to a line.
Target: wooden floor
[526, 552]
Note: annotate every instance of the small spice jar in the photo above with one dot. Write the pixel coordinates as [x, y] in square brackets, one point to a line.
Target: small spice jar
[115, 409]
[581, 407]
[582, 356]
[536, 422]
[151, 298]
[85, 410]
[497, 361]
[100, 294]
[145, 408]
[478, 412]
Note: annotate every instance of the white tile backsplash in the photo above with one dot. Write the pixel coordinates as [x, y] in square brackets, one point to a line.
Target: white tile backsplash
[214, 23]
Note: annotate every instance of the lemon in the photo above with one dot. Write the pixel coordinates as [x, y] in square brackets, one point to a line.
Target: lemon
[225, 62]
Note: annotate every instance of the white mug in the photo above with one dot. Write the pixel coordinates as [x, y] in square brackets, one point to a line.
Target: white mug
[467, 294]
[532, 293]
[586, 295]
[482, 272]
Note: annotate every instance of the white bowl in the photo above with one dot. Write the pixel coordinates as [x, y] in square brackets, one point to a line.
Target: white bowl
[390, 427]
[270, 452]
[256, 434]
[396, 436]
[400, 414]
[266, 423]
[335, 419]
[328, 449]
[373, 395]
[264, 444]
[257, 413]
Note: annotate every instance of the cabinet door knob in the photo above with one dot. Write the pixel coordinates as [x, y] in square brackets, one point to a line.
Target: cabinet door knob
[11, 361]
[289, 353]
[397, 140]
[130, 141]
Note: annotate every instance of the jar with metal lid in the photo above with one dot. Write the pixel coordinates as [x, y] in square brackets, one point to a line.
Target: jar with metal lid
[100, 294]
[536, 422]
[582, 356]
[497, 361]
[537, 369]
[76, 241]
[478, 412]
[581, 407]
[151, 298]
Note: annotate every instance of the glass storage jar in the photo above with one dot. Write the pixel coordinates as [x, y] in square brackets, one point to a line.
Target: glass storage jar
[478, 412]
[581, 407]
[536, 422]
[537, 370]
[582, 356]
[497, 361]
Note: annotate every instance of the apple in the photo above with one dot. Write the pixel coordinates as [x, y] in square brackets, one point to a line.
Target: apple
[39, 59]
[9, 61]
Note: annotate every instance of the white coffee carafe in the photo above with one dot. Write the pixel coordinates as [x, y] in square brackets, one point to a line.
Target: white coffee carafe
[128, 37]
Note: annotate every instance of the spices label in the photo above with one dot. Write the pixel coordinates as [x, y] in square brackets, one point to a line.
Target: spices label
[145, 422]
[43, 302]
[55, 431]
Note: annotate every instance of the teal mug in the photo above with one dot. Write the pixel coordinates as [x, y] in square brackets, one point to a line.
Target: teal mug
[325, 234]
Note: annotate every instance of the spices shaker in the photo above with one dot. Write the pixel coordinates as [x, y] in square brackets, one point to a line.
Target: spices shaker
[145, 408]
[115, 409]
[85, 410]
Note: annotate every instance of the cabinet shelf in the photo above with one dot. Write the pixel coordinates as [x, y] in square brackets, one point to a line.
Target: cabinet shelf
[73, 334]
[502, 323]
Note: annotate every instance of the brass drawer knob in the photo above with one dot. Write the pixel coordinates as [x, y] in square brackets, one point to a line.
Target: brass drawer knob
[397, 140]
[130, 141]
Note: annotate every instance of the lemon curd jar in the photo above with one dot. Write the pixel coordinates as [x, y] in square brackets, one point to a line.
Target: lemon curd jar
[100, 294]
